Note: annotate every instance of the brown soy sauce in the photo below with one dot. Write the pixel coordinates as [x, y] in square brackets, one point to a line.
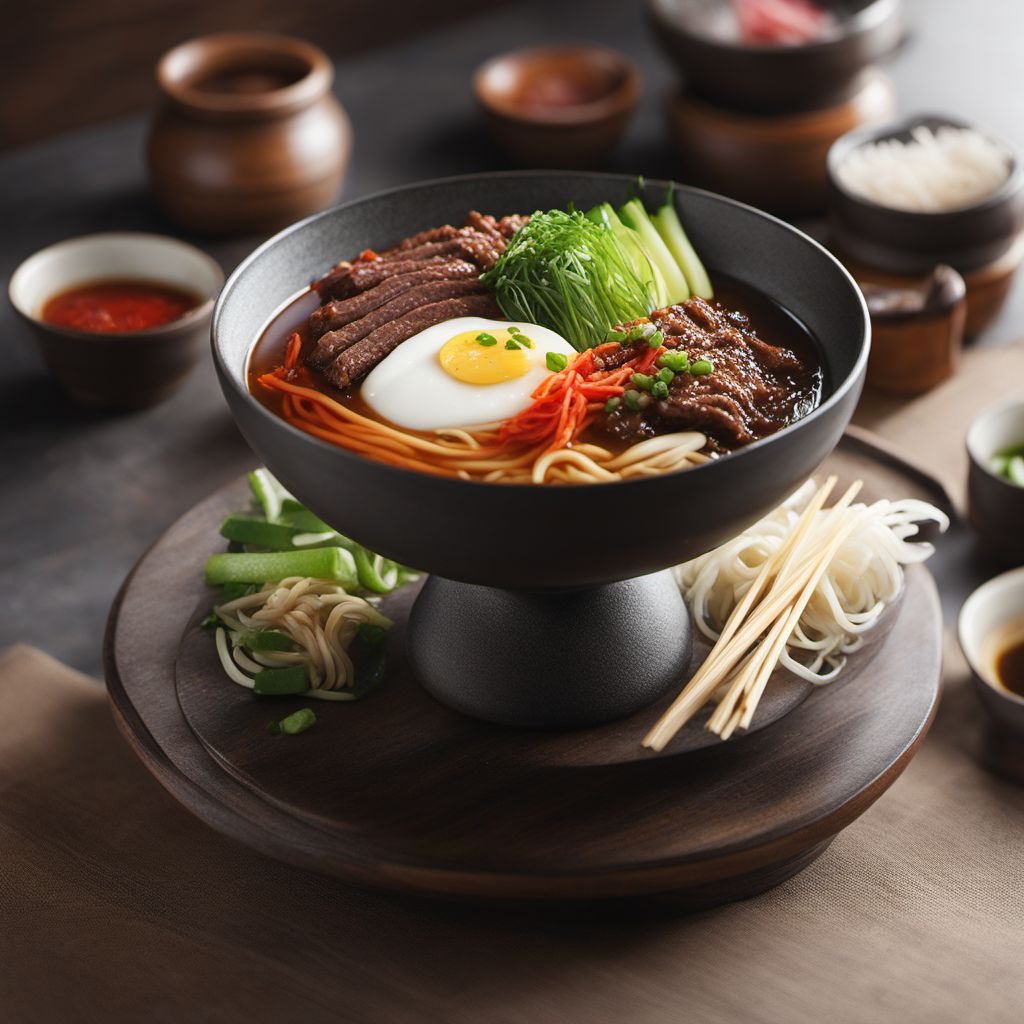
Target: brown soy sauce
[1010, 667]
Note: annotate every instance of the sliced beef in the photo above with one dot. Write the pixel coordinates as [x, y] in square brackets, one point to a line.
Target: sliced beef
[333, 315]
[333, 343]
[441, 234]
[481, 241]
[467, 244]
[355, 362]
[344, 282]
[508, 226]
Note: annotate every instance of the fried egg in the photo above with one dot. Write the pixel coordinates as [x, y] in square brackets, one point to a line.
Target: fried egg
[465, 372]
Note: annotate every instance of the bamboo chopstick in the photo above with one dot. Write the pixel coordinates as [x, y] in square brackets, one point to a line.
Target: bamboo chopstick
[759, 627]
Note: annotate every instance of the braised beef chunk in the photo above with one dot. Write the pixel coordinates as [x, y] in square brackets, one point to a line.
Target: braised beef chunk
[355, 362]
[332, 315]
[486, 225]
[334, 342]
[755, 388]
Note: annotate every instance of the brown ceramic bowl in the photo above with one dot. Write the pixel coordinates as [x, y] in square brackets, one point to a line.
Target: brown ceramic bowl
[133, 369]
[558, 106]
[774, 162]
[987, 288]
[995, 506]
[916, 347]
[991, 619]
[910, 242]
[249, 136]
[774, 79]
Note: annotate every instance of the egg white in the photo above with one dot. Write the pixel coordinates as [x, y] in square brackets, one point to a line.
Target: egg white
[410, 389]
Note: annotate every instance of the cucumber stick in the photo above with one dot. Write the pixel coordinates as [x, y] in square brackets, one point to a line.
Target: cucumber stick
[666, 220]
[268, 492]
[634, 216]
[258, 532]
[262, 567]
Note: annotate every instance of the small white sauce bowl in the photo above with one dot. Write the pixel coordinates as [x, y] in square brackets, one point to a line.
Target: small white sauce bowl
[127, 370]
[991, 620]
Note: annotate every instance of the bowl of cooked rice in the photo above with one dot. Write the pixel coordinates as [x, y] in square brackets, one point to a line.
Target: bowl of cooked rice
[909, 195]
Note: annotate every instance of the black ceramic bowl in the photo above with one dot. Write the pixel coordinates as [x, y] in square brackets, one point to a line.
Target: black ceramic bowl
[910, 242]
[553, 537]
[775, 79]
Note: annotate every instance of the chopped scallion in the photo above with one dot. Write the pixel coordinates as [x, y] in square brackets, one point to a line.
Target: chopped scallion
[297, 721]
[556, 361]
[487, 340]
[702, 367]
[677, 362]
[281, 682]
[612, 404]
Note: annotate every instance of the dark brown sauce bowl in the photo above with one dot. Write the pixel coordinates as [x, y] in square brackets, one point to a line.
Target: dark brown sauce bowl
[519, 95]
[546, 537]
[909, 242]
[776, 79]
[130, 369]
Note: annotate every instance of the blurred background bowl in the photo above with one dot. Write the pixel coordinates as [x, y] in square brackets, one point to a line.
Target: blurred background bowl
[508, 536]
[249, 136]
[558, 106]
[775, 79]
[996, 506]
[912, 242]
[132, 369]
[776, 162]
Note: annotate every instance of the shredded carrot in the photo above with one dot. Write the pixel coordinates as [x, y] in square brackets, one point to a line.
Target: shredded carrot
[565, 403]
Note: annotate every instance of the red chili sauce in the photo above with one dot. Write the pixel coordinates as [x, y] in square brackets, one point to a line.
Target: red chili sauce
[114, 307]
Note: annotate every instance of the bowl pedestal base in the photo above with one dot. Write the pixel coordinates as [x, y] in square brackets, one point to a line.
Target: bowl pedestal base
[550, 660]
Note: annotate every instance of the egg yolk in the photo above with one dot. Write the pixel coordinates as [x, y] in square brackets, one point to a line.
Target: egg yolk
[472, 358]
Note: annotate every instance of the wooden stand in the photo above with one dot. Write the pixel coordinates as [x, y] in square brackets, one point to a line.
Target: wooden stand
[400, 792]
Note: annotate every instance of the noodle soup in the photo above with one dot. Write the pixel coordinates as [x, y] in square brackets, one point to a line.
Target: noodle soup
[416, 358]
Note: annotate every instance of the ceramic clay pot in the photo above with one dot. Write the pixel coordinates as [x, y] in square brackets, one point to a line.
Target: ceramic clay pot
[249, 136]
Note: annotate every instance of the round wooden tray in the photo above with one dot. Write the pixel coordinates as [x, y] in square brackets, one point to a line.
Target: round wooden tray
[399, 792]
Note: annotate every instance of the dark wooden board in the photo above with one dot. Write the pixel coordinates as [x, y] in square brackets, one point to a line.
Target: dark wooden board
[505, 813]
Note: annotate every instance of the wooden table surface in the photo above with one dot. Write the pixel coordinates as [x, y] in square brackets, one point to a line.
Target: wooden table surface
[83, 495]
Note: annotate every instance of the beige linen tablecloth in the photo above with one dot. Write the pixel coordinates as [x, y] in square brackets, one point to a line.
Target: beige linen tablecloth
[116, 905]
